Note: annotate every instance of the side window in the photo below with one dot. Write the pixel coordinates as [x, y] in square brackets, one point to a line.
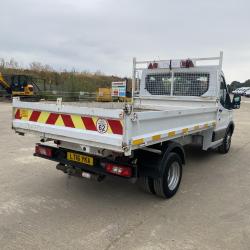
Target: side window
[14, 83]
[22, 81]
[224, 96]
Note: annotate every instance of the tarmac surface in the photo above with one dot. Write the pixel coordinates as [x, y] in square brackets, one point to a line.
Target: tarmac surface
[40, 208]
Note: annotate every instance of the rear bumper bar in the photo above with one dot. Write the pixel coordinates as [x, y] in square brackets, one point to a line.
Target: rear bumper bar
[59, 155]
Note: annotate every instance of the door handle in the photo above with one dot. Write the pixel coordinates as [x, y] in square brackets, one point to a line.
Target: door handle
[220, 110]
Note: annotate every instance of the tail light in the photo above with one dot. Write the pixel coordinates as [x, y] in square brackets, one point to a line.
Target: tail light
[187, 64]
[153, 65]
[45, 151]
[118, 170]
[150, 66]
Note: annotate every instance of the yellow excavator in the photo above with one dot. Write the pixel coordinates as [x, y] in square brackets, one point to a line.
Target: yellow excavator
[19, 85]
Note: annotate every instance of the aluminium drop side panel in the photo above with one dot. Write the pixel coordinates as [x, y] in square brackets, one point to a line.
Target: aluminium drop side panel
[155, 126]
[85, 138]
[174, 102]
[82, 136]
[68, 109]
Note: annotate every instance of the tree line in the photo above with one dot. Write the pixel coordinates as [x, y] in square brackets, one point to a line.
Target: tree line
[48, 78]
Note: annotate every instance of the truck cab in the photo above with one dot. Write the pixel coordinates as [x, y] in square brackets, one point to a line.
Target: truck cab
[186, 83]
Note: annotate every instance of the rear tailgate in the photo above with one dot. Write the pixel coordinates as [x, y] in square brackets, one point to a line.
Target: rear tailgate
[95, 127]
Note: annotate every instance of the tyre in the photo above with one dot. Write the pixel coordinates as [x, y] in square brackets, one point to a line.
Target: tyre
[146, 184]
[226, 144]
[167, 185]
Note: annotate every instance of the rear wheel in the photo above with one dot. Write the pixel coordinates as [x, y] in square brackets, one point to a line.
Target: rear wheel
[167, 185]
[225, 147]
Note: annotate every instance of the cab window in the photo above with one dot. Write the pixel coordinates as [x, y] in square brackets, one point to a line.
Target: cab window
[23, 81]
[15, 83]
[224, 96]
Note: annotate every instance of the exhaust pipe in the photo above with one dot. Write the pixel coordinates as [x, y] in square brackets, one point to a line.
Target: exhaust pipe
[79, 173]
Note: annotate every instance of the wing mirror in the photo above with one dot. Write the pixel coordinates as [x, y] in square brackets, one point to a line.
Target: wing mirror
[236, 101]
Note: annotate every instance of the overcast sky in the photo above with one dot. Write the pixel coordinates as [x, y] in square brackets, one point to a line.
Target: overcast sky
[105, 34]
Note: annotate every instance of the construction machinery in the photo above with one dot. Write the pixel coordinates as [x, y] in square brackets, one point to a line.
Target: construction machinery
[18, 85]
[104, 95]
[120, 91]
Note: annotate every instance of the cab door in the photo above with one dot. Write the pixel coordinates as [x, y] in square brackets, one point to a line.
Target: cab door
[224, 115]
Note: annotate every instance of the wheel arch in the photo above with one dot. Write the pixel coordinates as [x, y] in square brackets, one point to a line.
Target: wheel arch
[150, 163]
[231, 127]
[174, 147]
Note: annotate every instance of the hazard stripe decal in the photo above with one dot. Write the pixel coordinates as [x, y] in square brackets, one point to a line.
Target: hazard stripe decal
[66, 120]
[34, 116]
[89, 123]
[52, 119]
[17, 114]
[116, 126]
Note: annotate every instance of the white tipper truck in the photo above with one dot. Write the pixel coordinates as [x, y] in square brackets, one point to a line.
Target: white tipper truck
[174, 103]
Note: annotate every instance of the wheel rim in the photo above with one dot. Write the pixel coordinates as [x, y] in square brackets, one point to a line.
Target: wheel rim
[173, 175]
[228, 141]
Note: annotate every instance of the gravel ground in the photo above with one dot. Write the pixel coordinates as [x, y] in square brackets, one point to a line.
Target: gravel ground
[40, 208]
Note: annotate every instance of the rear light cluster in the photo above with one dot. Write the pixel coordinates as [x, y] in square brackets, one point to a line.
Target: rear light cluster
[118, 170]
[45, 151]
[153, 65]
[187, 64]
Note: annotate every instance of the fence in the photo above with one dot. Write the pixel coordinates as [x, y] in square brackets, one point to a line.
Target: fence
[67, 96]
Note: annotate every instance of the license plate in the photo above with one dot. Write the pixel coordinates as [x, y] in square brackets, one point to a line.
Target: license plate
[80, 158]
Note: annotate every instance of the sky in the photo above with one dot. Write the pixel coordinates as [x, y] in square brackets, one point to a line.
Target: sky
[105, 35]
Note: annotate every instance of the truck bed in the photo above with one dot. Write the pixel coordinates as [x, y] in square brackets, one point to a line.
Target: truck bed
[108, 125]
